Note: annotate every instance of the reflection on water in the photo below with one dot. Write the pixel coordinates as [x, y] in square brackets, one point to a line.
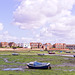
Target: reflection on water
[12, 69]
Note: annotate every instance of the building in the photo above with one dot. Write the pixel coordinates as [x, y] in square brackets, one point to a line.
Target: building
[70, 46]
[4, 44]
[59, 45]
[19, 45]
[12, 44]
[25, 45]
[47, 46]
[36, 45]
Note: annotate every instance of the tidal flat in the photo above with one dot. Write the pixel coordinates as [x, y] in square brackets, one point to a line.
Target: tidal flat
[60, 65]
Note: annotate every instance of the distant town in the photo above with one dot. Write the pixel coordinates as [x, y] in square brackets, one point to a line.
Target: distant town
[37, 45]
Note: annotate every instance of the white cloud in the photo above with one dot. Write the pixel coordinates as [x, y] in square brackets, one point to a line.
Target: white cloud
[5, 33]
[6, 37]
[25, 39]
[49, 19]
[1, 26]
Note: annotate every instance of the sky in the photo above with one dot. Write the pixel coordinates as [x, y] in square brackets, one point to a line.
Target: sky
[45, 21]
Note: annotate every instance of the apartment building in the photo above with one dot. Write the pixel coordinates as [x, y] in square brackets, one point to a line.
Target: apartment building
[12, 44]
[36, 45]
[25, 45]
[47, 46]
[4, 44]
[70, 46]
[59, 45]
[19, 45]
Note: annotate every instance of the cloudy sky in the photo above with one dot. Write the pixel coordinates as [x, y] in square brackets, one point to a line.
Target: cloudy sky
[51, 21]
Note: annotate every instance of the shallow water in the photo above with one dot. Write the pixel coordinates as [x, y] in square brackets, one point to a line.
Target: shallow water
[68, 55]
[70, 70]
[12, 69]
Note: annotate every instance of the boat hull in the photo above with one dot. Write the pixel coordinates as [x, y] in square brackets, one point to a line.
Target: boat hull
[51, 53]
[41, 54]
[74, 55]
[15, 54]
[41, 67]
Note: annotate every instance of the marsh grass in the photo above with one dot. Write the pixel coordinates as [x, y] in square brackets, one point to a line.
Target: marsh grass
[23, 58]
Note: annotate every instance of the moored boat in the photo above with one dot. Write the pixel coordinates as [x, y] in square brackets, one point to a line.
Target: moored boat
[68, 52]
[41, 54]
[15, 54]
[74, 55]
[38, 65]
[51, 52]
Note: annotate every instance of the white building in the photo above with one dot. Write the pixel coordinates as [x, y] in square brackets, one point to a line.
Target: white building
[26, 45]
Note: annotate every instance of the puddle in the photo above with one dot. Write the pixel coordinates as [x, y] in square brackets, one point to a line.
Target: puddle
[70, 70]
[68, 55]
[13, 69]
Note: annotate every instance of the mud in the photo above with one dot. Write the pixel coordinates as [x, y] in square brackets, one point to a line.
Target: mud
[64, 64]
[6, 60]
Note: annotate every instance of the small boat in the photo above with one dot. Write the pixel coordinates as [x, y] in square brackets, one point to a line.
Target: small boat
[15, 54]
[51, 52]
[60, 51]
[41, 54]
[68, 52]
[38, 65]
[74, 55]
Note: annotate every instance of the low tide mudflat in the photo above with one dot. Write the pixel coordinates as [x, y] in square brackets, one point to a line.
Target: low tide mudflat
[61, 65]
